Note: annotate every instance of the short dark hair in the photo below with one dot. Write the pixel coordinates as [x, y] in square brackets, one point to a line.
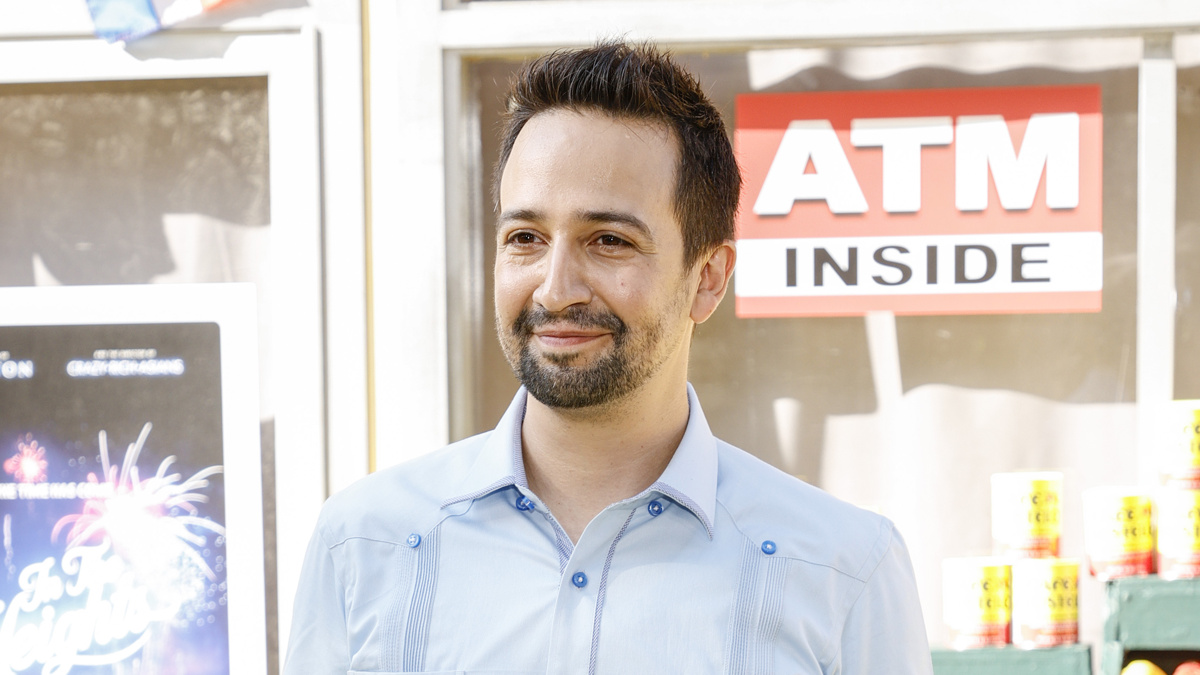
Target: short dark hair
[638, 82]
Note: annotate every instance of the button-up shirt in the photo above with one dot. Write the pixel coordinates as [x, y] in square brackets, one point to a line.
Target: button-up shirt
[450, 564]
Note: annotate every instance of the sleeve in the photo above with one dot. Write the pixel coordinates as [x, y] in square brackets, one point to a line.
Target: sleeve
[318, 643]
[885, 630]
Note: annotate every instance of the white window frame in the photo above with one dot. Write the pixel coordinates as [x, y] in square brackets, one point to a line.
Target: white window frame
[288, 59]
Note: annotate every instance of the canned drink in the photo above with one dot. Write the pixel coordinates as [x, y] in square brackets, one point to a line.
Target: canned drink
[1045, 602]
[1181, 462]
[1027, 514]
[1178, 533]
[1118, 531]
[977, 602]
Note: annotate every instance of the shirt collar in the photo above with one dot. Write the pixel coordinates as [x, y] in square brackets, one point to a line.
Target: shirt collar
[689, 479]
[499, 464]
[691, 476]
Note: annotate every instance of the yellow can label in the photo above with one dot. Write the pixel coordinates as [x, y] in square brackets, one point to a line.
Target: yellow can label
[1117, 522]
[1179, 522]
[1133, 525]
[1046, 591]
[993, 592]
[1027, 513]
[976, 592]
[1192, 434]
[1182, 460]
[1063, 598]
[1042, 509]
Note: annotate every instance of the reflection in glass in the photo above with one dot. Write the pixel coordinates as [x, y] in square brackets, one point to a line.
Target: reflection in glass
[133, 182]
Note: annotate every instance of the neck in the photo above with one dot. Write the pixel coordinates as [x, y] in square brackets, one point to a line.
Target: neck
[581, 461]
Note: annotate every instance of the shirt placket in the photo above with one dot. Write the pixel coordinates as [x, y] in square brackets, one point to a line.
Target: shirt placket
[583, 588]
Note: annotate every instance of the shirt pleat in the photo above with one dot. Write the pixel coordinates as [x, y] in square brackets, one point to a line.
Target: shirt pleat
[391, 651]
[416, 635]
[770, 615]
[737, 652]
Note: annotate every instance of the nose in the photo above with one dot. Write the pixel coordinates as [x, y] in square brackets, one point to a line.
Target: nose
[564, 281]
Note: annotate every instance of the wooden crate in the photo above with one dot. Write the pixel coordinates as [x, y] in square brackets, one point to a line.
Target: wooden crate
[1150, 618]
[1066, 660]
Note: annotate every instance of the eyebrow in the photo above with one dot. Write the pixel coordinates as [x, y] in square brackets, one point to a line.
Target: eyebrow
[527, 215]
[615, 217]
[530, 215]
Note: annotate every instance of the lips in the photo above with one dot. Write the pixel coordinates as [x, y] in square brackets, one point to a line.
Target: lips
[567, 337]
[573, 327]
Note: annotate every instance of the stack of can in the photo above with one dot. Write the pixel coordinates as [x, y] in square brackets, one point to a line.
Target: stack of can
[1024, 595]
[1133, 531]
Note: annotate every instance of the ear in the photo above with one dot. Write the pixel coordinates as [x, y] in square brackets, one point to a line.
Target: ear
[715, 273]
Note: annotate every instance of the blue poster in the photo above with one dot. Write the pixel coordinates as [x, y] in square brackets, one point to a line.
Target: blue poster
[112, 501]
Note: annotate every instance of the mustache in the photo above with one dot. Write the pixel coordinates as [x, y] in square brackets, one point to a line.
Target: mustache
[575, 316]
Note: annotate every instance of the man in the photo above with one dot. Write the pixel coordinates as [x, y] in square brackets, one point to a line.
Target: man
[601, 528]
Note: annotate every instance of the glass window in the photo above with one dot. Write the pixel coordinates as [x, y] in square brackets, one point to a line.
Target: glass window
[145, 181]
[980, 393]
[133, 182]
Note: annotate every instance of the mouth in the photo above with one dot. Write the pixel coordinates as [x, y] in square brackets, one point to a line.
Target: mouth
[569, 333]
[567, 338]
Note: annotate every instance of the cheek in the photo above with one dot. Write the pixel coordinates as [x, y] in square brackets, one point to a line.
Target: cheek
[635, 296]
[512, 289]
[624, 290]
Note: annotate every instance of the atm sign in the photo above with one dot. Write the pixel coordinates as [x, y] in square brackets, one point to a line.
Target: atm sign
[949, 201]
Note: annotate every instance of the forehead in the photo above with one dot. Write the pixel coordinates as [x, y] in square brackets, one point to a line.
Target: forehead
[577, 152]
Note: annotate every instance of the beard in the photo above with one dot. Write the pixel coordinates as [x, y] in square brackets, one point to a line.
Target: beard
[558, 380]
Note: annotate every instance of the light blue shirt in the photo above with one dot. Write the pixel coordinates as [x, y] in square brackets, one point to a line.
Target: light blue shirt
[450, 564]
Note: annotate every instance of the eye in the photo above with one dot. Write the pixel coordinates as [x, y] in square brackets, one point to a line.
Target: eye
[522, 238]
[611, 240]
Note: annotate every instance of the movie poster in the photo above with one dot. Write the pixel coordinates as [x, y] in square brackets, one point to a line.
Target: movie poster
[112, 500]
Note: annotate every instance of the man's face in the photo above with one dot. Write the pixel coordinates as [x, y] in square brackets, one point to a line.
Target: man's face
[592, 300]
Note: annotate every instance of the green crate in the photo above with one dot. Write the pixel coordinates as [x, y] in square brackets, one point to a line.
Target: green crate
[1065, 660]
[1149, 614]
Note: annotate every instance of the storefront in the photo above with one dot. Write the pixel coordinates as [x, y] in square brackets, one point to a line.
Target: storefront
[906, 414]
[372, 205]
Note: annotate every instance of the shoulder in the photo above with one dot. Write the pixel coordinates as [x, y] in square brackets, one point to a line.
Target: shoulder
[805, 523]
[391, 503]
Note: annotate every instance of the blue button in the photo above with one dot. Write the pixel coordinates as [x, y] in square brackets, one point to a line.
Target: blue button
[580, 580]
[524, 503]
[768, 547]
[414, 540]
[654, 507]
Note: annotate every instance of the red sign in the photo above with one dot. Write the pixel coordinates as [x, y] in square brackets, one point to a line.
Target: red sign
[946, 201]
